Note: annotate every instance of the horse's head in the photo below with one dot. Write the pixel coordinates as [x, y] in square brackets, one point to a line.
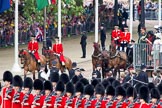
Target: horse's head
[112, 49]
[48, 54]
[22, 53]
[96, 46]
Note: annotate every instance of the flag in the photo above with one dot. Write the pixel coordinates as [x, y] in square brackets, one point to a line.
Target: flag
[4, 5]
[43, 3]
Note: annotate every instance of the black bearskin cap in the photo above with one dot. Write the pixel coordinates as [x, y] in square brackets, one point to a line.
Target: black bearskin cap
[137, 87]
[60, 86]
[151, 86]
[79, 87]
[38, 84]
[48, 86]
[120, 91]
[131, 92]
[160, 88]
[7, 76]
[110, 90]
[99, 89]
[155, 93]
[17, 81]
[64, 78]
[126, 85]
[115, 83]
[28, 83]
[144, 93]
[89, 90]
[94, 82]
[70, 87]
[74, 79]
[111, 79]
[105, 83]
[84, 81]
[54, 77]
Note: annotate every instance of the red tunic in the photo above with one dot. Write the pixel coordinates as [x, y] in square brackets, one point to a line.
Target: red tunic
[33, 46]
[29, 101]
[104, 103]
[85, 102]
[51, 101]
[75, 101]
[115, 34]
[7, 103]
[58, 49]
[123, 105]
[125, 37]
[40, 101]
[138, 105]
[0, 100]
[19, 98]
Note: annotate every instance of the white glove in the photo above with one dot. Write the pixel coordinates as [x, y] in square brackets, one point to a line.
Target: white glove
[125, 42]
[33, 52]
[115, 38]
[29, 50]
[122, 42]
[50, 48]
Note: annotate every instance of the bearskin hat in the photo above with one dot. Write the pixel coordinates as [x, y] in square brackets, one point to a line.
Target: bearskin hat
[126, 85]
[94, 82]
[160, 88]
[155, 93]
[115, 83]
[48, 86]
[105, 83]
[144, 93]
[38, 84]
[7, 76]
[70, 87]
[99, 89]
[28, 83]
[151, 86]
[131, 92]
[79, 87]
[120, 91]
[137, 87]
[110, 90]
[60, 86]
[111, 79]
[17, 81]
[74, 79]
[54, 77]
[89, 90]
[84, 81]
[64, 78]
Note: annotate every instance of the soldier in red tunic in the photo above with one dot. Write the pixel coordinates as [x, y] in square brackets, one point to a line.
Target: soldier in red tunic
[18, 96]
[33, 47]
[110, 98]
[7, 90]
[49, 99]
[28, 97]
[67, 101]
[124, 39]
[155, 98]
[115, 36]
[38, 98]
[79, 88]
[99, 94]
[59, 95]
[58, 49]
[144, 98]
[120, 96]
[88, 96]
[131, 94]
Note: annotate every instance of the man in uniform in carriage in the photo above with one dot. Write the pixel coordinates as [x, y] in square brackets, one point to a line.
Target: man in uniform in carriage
[33, 48]
[58, 50]
[115, 35]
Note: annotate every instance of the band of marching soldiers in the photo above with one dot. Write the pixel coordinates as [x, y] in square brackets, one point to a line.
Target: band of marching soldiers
[60, 91]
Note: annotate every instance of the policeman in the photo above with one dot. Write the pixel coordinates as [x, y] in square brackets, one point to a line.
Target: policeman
[54, 78]
[18, 96]
[97, 73]
[28, 96]
[102, 36]
[7, 90]
[83, 44]
[38, 97]
[54, 68]
[130, 51]
[72, 71]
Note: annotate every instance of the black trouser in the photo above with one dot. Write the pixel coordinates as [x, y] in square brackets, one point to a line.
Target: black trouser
[103, 44]
[83, 50]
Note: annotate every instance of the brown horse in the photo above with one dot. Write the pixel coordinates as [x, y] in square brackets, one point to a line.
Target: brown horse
[50, 56]
[30, 62]
[96, 56]
[116, 60]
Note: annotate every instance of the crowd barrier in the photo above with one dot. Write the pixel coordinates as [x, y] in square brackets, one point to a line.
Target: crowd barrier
[150, 55]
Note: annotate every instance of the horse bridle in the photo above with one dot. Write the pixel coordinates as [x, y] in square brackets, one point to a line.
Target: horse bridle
[96, 56]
